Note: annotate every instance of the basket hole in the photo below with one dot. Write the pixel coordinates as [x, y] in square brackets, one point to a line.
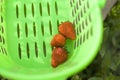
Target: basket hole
[17, 11]
[52, 48]
[79, 2]
[80, 28]
[80, 40]
[2, 49]
[77, 30]
[87, 35]
[90, 18]
[42, 28]
[18, 30]
[36, 49]
[74, 9]
[76, 20]
[56, 8]
[3, 40]
[58, 23]
[25, 12]
[83, 26]
[75, 45]
[0, 38]
[44, 49]
[5, 51]
[28, 50]
[1, 19]
[78, 43]
[86, 22]
[73, 22]
[50, 27]
[26, 29]
[91, 31]
[77, 5]
[2, 29]
[88, 6]
[32, 9]
[34, 29]
[83, 37]
[71, 3]
[84, 9]
[19, 50]
[40, 9]
[48, 8]
[81, 13]
[73, 13]
[1, 0]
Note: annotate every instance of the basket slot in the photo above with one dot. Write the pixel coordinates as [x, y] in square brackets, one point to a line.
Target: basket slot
[87, 35]
[2, 29]
[1, 19]
[28, 50]
[71, 3]
[58, 23]
[32, 9]
[3, 40]
[75, 45]
[77, 30]
[0, 38]
[50, 27]
[18, 30]
[48, 7]
[40, 9]
[90, 18]
[88, 6]
[80, 40]
[91, 31]
[25, 12]
[56, 8]
[3, 50]
[26, 29]
[19, 51]
[36, 49]
[83, 26]
[42, 28]
[17, 11]
[44, 48]
[78, 43]
[34, 29]
[80, 30]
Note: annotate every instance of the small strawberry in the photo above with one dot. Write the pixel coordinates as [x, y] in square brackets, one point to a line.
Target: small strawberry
[67, 29]
[59, 56]
[58, 40]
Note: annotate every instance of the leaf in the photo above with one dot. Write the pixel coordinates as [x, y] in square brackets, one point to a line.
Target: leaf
[95, 78]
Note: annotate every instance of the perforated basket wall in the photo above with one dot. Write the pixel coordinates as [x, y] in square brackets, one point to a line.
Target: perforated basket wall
[27, 27]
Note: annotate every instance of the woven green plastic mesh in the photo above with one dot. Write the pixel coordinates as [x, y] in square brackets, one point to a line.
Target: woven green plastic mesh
[27, 27]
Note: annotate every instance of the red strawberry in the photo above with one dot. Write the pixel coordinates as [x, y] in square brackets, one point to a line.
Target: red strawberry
[59, 56]
[67, 29]
[58, 40]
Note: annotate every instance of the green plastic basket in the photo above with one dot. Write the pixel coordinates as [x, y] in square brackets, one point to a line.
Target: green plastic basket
[27, 27]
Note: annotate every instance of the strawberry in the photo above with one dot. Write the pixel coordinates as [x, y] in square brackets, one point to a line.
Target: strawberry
[67, 29]
[58, 40]
[59, 56]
